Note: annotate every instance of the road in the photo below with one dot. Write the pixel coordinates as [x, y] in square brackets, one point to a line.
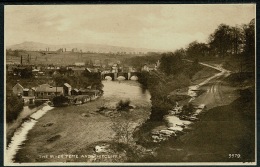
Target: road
[215, 90]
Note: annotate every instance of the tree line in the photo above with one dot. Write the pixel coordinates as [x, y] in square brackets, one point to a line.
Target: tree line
[225, 41]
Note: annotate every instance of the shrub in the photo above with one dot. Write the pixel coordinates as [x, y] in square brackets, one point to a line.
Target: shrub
[60, 101]
[14, 106]
[123, 105]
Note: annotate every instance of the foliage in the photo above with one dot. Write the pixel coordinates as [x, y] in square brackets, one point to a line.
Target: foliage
[196, 50]
[60, 101]
[14, 106]
[60, 80]
[87, 79]
[221, 39]
[160, 85]
[187, 110]
[139, 61]
[123, 130]
[24, 73]
[123, 105]
[171, 63]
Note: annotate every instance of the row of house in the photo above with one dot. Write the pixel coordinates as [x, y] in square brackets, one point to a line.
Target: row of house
[46, 91]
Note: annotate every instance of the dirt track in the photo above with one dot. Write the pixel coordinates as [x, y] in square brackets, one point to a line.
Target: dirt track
[216, 93]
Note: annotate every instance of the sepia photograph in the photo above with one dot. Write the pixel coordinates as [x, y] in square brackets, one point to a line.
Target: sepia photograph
[132, 84]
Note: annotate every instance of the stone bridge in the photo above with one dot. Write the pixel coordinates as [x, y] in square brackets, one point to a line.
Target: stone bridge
[114, 76]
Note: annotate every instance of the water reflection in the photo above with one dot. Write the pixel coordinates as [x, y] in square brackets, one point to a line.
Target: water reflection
[114, 91]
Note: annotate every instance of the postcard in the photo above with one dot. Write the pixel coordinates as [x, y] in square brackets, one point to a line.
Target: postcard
[130, 84]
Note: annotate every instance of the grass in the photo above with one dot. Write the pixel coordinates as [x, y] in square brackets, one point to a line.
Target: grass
[203, 74]
[71, 132]
[64, 58]
[223, 130]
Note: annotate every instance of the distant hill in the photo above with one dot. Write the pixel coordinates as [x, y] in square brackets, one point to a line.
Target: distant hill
[36, 46]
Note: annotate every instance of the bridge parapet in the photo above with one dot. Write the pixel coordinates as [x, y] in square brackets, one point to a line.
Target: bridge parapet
[114, 76]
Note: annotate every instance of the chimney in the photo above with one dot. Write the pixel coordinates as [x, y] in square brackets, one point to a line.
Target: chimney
[21, 60]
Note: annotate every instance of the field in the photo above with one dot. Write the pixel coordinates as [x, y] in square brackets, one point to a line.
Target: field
[62, 58]
[72, 130]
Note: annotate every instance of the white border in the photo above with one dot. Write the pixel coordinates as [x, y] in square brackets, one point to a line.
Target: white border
[134, 164]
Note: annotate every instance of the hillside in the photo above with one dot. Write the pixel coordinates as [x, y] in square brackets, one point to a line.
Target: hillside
[36, 46]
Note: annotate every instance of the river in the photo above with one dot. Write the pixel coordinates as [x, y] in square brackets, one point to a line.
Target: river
[114, 91]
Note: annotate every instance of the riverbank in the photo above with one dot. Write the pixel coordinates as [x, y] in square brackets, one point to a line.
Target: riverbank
[20, 134]
[222, 132]
[23, 116]
[176, 90]
[78, 130]
[225, 129]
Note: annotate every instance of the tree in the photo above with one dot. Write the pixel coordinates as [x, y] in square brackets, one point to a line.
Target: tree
[170, 63]
[180, 52]
[14, 106]
[26, 73]
[247, 57]
[249, 40]
[60, 80]
[123, 130]
[221, 39]
[196, 50]
[60, 101]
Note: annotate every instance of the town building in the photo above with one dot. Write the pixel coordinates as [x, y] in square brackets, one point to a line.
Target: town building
[46, 91]
[18, 89]
[75, 91]
[78, 70]
[148, 67]
[80, 64]
[67, 89]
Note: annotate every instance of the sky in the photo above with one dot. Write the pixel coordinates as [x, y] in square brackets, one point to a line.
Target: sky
[163, 27]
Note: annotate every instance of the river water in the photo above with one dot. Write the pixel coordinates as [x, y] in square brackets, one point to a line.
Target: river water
[20, 134]
[114, 91]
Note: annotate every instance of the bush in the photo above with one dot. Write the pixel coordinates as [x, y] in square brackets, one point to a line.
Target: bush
[14, 106]
[38, 103]
[187, 110]
[123, 105]
[60, 101]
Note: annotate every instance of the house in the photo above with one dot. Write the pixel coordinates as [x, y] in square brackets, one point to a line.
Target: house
[18, 89]
[78, 70]
[35, 72]
[82, 91]
[114, 68]
[93, 94]
[46, 91]
[28, 92]
[10, 69]
[67, 89]
[148, 67]
[79, 64]
[75, 91]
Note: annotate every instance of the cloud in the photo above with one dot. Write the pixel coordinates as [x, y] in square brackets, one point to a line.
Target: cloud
[149, 26]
